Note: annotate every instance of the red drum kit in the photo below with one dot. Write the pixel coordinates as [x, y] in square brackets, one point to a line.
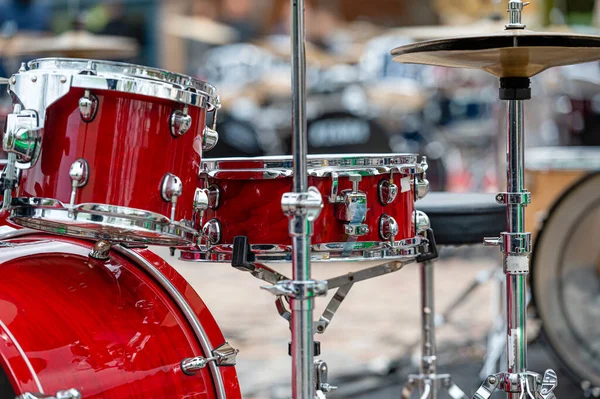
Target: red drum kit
[106, 158]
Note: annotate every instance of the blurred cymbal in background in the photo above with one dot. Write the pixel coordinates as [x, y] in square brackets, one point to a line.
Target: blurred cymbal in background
[74, 44]
[200, 29]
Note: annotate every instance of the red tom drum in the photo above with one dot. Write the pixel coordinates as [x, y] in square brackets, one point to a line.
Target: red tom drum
[117, 328]
[368, 206]
[108, 150]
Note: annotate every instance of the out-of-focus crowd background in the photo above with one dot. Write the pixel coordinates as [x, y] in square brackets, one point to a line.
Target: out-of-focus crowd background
[360, 100]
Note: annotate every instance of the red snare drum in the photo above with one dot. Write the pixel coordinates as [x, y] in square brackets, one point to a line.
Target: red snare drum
[110, 150]
[111, 329]
[368, 206]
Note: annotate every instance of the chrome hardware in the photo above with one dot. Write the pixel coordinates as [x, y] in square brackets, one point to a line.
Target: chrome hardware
[171, 189]
[515, 9]
[214, 196]
[88, 106]
[212, 231]
[511, 243]
[67, 394]
[79, 173]
[101, 250]
[23, 136]
[388, 191]
[388, 228]
[224, 355]
[421, 222]
[321, 377]
[180, 122]
[421, 188]
[298, 289]
[523, 198]
[309, 203]
[3, 81]
[356, 230]
[549, 383]
[201, 202]
[351, 206]
[10, 178]
[210, 138]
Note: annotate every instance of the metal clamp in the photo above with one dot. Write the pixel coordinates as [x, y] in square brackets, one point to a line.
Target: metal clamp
[523, 198]
[515, 9]
[321, 377]
[309, 203]
[180, 122]
[224, 355]
[351, 206]
[23, 136]
[66, 394]
[298, 289]
[511, 243]
[528, 384]
[88, 106]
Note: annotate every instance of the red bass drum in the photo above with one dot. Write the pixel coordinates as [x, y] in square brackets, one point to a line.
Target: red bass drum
[112, 329]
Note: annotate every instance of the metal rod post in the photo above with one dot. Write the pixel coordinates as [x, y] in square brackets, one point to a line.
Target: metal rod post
[516, 284]
[302, 309]
[428, 356]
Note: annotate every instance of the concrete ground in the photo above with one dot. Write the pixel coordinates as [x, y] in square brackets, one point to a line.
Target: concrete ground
[377, 323]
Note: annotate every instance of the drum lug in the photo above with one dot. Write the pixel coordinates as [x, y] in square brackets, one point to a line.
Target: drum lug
[388, 191]
[67, 394]
[211, 231]
[88, 106]
[421, 183]
[388, 229]
[171, 189]
[23, 136]
[421, 222]
[210, 139]
[224, 355]
[79, 173]
[180, 122]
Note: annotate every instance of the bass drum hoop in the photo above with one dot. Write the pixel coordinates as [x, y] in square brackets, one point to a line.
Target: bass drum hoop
[562, 346]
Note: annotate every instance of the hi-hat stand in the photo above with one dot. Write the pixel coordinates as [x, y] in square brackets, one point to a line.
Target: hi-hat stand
[515, 244]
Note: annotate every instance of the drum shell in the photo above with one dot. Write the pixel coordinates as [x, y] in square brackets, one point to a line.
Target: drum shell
[129, 149]
[252, 208]
[107, 329]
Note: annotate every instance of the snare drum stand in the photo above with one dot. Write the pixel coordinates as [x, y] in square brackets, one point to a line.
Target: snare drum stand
[515, 244]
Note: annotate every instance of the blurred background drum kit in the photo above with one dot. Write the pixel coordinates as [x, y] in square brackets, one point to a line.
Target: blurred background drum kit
[393, 128]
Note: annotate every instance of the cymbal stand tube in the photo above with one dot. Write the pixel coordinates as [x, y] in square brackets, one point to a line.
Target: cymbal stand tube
[302, 207]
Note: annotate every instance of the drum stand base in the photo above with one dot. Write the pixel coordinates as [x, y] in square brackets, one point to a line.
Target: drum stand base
[428, 381]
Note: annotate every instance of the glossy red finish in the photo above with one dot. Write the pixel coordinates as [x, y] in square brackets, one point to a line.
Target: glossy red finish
[129, 148]
[106, 329]
[253, 208]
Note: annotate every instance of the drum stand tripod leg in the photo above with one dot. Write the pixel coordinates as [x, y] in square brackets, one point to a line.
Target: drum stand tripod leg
[428, 381]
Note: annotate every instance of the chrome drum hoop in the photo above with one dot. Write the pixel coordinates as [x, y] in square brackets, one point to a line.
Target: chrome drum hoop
[407, 249]
[100, 221]
[49, 79]
[277, 167]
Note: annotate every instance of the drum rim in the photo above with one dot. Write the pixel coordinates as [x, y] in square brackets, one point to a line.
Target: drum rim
[51, 215]
[403, 250]
[119, 76]
[554, 341]
[318, 165]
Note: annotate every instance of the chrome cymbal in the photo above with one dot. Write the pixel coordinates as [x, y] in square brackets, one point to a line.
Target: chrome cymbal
[509, 53]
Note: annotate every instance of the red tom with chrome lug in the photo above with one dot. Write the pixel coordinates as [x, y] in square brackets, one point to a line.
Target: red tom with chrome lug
[368, 207]
[79, 318]
[108, 150]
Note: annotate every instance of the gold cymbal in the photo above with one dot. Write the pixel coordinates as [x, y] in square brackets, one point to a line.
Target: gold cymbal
[79, 44]
[200, 29]
[510, 53]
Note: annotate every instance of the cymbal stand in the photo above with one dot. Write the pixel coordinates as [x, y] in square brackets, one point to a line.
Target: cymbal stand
[302, 207]
[515, 244]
